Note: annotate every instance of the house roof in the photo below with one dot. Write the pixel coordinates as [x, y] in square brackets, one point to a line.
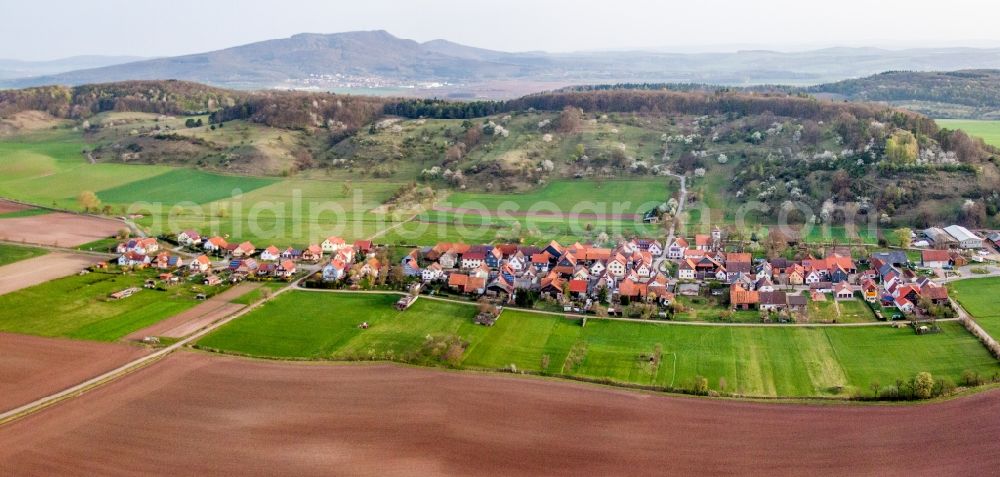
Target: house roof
[935, 256]
[738, 257]
[702, 240]
[796, 300]
[741, 296]
[935, 292]
[961, 233]
[772, 298]
[891, 257]
[475, 283]
[457, 279]
[578, 286]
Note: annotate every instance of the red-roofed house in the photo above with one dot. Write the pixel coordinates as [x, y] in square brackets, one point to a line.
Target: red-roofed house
[935, 258]
[578, 288]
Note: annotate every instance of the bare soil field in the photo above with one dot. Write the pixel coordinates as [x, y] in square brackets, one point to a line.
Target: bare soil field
[201, 414]
[32, 367]
[26, 273]
[202, 315]
[57, 229]
[7, 207]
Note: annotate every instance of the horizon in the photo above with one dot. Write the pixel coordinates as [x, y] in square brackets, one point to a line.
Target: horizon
[633, 26]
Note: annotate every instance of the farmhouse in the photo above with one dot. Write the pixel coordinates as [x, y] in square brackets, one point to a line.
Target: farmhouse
[743, 299]
[333, 244]
[773, 301]
[432, 272]
[935, 258]
[843, 291]
[215, 245]
[200, 264]
[189, 238]
[245, 249]
[270, 254]
[312, 253]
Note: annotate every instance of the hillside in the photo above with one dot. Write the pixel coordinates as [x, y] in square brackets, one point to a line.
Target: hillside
[838, 159]
[965, 94]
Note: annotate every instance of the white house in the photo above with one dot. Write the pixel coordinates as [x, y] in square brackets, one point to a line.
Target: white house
[335, 270]
[270, 254]
[432, 272]
[617, 267]
[686, 270]
[597, 268]
[333, 244]
[201, 264]
[676, 249]
[189, 238]
[215, 244]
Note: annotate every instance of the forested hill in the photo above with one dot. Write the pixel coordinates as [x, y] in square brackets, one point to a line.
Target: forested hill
[958, 94]
[962, 94]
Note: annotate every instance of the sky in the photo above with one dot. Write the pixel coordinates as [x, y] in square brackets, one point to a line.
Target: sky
[56, 29]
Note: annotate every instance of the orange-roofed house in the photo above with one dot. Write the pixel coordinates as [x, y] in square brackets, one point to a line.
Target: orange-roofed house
[742, 299]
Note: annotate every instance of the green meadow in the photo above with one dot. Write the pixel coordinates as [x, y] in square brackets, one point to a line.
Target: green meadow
[182, 185]
[988, 130]
[78, 306]
[753, 361]
[16, 253]
[979, 297]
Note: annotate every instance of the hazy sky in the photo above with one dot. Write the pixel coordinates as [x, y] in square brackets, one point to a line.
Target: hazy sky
[46, 29]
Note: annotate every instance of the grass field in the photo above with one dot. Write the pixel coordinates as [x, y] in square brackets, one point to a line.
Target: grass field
[78, 307]
[979, 297]
[182, 185]
[760, 361]
[54, 172]
[16, 253]
[568, 194]
[988, 130]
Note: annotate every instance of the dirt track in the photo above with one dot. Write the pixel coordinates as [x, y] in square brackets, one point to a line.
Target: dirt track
[57, 229]
[200, 414]
[26, 273]
[196, 318]
[32, 367]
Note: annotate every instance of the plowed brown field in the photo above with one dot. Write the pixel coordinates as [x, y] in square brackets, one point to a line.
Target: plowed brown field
[32, 367]
[199, 414]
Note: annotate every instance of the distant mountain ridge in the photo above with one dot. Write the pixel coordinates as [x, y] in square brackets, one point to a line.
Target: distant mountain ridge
[22, 68]
[377, 59]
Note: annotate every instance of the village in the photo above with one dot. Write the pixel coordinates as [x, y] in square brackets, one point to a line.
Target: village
[703, 279]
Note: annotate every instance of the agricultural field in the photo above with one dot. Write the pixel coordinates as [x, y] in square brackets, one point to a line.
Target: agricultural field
[979, 297]
[78, 306]
[566, 196]
[756, 361]
[182, 185]
[53, 171]
[16, 253]
[988, 130]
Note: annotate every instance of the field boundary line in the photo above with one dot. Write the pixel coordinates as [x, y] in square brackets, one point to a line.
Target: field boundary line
[626, 320]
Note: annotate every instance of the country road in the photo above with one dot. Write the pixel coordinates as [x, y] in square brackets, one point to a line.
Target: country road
[680, 202]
